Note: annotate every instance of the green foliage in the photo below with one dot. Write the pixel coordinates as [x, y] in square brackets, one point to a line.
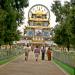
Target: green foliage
[56, 7]
[65, 18]
[72, 22]
[11, 16]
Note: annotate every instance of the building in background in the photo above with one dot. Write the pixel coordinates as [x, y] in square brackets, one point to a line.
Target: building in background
[38, 29]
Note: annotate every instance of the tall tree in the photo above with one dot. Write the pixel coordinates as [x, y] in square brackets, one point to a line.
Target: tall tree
[62, 31]
[72, 22]
[11, 16]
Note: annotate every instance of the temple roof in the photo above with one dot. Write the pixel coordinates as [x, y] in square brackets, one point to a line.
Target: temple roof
[39, 12]
[38, 19]
[38, 27]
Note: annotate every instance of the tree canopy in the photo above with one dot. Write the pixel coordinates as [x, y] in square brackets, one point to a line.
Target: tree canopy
[11, 16]
[65, 28]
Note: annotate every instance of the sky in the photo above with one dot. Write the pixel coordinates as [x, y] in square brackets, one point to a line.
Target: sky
[47, 3]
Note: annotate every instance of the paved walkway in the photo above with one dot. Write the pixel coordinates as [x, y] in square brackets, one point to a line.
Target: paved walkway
[31, 67]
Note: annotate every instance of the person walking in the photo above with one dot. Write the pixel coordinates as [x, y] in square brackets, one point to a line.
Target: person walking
[43, 50]
[27, 49]
[49, 54]
[36, 52]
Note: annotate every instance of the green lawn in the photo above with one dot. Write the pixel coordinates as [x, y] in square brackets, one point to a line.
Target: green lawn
[69, 69]
[8, 59]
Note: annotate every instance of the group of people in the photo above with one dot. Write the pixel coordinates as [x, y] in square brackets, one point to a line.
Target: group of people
[37, 51]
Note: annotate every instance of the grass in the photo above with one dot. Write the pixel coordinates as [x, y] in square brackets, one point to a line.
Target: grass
[8, 59]
[69, 69]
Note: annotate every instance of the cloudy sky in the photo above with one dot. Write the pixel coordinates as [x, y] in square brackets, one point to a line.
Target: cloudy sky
[47, 3]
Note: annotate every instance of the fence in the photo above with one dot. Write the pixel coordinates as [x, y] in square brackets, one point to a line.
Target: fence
[7, 53]
[65, 57]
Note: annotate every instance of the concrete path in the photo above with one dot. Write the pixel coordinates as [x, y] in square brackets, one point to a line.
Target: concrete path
[31, 67]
